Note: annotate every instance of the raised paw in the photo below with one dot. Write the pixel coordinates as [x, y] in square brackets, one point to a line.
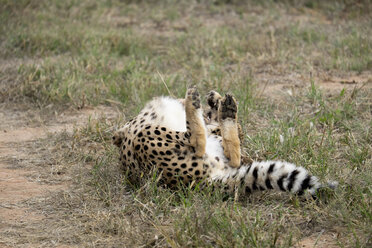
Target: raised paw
[195, 122]
[193, 97]
[227, 117]
[228, 107]
[213, 99]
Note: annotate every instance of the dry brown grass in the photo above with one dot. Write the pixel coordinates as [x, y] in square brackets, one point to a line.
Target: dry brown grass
[299, 70]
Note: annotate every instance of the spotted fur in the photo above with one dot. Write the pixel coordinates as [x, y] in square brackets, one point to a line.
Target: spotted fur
[188, 145]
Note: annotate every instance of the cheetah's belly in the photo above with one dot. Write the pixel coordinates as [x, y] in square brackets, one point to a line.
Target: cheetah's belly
[172, 114]
[214, 148]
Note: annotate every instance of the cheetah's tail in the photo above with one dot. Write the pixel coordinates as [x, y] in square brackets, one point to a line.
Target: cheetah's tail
[277, 175]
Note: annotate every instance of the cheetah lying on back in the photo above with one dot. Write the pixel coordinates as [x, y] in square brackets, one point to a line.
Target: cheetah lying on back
[185, 145]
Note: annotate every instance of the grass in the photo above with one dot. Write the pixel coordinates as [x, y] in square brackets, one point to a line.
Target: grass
[120, 54]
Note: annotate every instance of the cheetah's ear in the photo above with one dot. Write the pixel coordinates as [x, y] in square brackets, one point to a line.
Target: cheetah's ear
[117, 139]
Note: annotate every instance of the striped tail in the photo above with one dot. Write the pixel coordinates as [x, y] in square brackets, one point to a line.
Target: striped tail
[277, 175]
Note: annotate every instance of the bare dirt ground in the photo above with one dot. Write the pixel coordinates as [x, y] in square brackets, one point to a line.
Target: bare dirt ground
[280, 86]
[20, 181]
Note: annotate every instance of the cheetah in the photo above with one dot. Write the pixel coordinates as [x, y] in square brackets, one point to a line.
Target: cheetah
[187, 144]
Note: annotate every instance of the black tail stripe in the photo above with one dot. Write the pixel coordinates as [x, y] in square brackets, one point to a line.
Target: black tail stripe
[242, 180]
[280, 182]
[268, 184]
[254, 186]
[249, 167]
[306, 183]
[255, 175]
[292, 178]
[271, 168]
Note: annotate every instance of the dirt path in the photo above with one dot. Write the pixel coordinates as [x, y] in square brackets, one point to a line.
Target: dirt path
[287, 85]
[19, 183]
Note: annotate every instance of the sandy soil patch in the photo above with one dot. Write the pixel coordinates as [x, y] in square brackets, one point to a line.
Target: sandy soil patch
[321, 240]
[19, 184]
[281, 86]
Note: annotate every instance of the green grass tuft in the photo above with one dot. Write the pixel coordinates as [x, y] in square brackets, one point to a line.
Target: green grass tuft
[300, 70]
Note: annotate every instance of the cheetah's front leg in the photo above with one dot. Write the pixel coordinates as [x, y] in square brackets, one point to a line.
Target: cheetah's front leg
[195, 122]
[227, 118]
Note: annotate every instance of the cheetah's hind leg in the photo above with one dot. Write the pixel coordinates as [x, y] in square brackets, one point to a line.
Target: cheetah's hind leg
[227, 117]
[195, 122]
